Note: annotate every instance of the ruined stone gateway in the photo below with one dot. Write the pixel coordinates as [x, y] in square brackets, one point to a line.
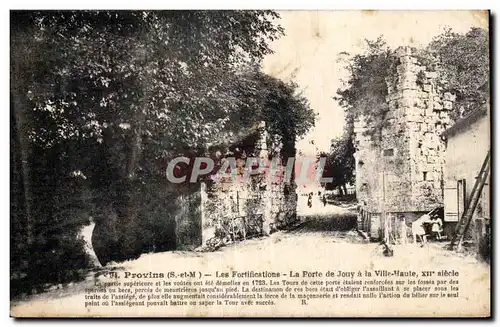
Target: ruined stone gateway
[399, 176]
[224, 211]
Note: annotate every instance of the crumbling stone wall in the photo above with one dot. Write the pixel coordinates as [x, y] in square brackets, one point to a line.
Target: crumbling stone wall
[234, 210]
[402, 171]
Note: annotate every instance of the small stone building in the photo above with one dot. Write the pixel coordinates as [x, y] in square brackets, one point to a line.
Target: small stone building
[399, 177]
[468, 142]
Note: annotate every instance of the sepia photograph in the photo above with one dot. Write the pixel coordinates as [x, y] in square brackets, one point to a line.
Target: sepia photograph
[250, 164]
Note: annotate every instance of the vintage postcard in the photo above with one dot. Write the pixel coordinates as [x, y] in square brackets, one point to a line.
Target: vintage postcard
[250, 163]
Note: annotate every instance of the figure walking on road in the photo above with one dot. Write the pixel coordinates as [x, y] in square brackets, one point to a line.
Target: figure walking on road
[309, 200]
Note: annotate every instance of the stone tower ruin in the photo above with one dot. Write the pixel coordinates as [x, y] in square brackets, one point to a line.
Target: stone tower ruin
[400, 176]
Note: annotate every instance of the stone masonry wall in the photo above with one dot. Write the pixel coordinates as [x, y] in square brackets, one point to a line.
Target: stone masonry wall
[236, 210]
[403, 171]
[427, 114]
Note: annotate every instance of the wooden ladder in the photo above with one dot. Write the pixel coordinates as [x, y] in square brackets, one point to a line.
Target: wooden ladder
[464, 223]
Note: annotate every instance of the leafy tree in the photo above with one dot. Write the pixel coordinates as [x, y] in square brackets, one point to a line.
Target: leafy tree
[100, 100]
[365, 90]
[263, 98]
[286, 112]
[462, 64]
[340, 164]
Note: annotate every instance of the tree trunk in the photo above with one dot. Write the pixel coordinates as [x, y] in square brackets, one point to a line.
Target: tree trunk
[21, 63]
[19, 106]
[131, 204]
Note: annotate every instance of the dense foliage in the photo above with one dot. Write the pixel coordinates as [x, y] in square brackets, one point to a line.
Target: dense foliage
[365, 90]
[101, 100]
[339, 164]
[462, 64]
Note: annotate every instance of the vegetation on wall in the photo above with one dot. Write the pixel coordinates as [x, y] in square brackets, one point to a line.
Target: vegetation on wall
[365, 90]
[461, 62]
[462, 65]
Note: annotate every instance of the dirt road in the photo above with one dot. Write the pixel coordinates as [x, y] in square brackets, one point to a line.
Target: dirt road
[325, 241]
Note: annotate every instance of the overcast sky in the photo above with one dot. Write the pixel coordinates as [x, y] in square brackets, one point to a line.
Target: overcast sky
[308, 52]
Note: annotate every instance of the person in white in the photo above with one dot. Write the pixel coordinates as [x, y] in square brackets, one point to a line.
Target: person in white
[437, 227]
[418, 229]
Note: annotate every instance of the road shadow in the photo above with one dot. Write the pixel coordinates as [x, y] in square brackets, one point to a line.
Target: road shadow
[328, 223]
[337, 227]
[336, 223]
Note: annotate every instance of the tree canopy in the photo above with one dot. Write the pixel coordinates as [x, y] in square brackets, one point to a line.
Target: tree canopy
[339, 164]
[101, 100]
[463, 66]
[365, 89]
